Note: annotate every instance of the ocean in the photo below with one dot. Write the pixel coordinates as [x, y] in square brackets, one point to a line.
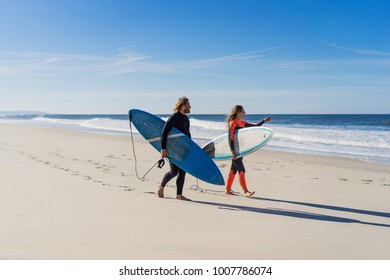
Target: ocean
[363, 137]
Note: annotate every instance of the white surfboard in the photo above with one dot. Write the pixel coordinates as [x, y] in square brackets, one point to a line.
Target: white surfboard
[246, 141]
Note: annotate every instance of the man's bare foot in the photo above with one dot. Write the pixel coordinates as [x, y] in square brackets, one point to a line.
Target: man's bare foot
[160, 191]
[182, 197]
[248, 193]
[229, 192]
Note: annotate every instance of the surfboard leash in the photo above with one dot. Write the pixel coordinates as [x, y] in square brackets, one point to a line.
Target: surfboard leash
[160, 163]
[195, 187]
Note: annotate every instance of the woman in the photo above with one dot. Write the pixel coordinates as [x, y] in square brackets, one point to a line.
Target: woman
[235, 122]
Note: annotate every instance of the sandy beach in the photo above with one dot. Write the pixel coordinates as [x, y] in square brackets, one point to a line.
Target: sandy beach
[74, 195]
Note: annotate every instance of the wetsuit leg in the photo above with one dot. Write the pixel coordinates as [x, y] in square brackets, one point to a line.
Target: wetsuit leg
[175, 171]
[180, 181]
[230, 180]
[241, 179]
[169, 175]
[239, 165]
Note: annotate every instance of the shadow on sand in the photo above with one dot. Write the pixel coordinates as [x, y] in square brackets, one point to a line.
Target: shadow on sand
[300, 214]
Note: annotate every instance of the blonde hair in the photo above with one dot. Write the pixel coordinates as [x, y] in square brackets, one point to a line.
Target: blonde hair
[180, 103]
[234, 112]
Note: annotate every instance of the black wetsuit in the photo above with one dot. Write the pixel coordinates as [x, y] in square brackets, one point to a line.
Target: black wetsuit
[182, 123]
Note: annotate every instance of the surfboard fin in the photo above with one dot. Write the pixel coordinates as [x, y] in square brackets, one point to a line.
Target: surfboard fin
[209, 149]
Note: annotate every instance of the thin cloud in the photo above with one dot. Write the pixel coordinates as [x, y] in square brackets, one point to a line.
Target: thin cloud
[125, 62]
[360, 51]
[54, 60]
[239, 56]
[49, 64]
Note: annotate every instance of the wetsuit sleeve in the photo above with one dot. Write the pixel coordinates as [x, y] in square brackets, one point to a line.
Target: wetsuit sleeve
[167, 127]
[188, 128]
[251, 124]
[260, 123]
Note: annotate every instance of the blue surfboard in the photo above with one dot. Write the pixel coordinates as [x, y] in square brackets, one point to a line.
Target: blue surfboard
[182, 151]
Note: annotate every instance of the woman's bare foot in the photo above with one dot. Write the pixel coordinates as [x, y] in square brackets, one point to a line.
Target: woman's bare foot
[160, 191]
[182, 197]
[229, 192]
[248, 193]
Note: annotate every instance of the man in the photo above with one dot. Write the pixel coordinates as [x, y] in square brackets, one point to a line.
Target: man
[180, 121]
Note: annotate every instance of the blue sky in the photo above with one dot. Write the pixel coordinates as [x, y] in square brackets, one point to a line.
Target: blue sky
[279, 56]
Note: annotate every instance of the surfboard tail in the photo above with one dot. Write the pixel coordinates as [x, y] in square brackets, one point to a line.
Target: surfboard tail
[219, 180]
[210, 149]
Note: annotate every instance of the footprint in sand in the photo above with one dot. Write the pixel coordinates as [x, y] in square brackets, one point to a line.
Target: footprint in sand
[126, 188]
[102, 183]
[343, 179]
[113, 157]
[367, 181]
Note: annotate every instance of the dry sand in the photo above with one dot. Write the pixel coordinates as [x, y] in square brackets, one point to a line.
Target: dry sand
[74, 195]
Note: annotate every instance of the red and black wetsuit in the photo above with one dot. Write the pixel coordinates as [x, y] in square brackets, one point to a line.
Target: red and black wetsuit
[237, 164]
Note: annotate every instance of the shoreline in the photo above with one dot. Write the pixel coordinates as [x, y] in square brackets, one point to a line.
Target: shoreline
[74, 195]
[200, 141]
